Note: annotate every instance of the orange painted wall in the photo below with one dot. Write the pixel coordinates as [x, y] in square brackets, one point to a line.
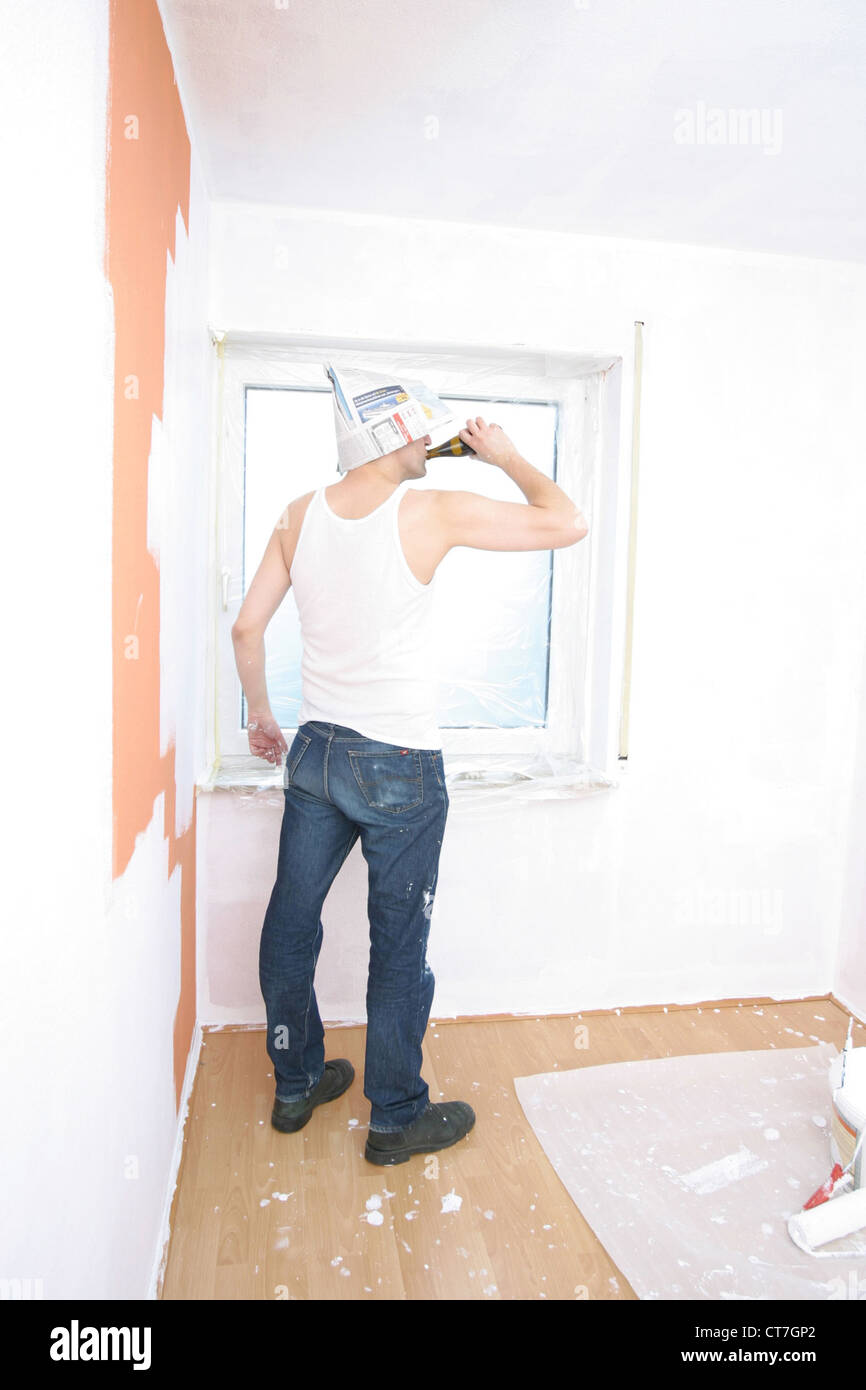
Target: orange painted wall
[147, 180]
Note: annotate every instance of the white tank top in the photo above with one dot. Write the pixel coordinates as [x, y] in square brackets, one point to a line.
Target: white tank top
[366, 624]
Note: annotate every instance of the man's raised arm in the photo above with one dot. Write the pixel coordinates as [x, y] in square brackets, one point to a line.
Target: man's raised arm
[550, 521]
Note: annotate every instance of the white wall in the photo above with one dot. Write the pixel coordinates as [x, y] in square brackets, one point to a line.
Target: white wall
[90, 974]
[718, 867]
[63, 1043]
[850, 973]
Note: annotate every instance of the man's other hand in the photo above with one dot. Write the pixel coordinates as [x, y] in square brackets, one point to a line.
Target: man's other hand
[266, 736]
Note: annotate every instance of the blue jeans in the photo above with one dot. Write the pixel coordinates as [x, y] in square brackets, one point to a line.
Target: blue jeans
[339, 785]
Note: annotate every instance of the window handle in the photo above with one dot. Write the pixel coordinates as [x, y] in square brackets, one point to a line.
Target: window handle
[225, 588]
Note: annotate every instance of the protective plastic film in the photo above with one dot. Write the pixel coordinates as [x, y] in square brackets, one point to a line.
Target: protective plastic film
[511, 628]
[689, 1169]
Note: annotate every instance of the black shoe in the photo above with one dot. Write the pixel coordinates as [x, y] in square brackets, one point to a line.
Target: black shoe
[289, 1115]
[438, 1128]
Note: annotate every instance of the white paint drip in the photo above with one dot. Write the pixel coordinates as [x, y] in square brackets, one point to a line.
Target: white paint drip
[451, 1202]
[373, 1214]
[732, 1168]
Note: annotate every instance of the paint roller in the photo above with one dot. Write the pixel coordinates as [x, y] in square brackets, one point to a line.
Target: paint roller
[828, 1214]
[841, 1216]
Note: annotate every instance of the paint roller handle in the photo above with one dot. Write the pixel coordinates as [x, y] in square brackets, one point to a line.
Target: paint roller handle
[822, 1193]
[845, 1051]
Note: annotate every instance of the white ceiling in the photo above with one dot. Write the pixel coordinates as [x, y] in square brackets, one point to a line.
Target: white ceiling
[552, 114]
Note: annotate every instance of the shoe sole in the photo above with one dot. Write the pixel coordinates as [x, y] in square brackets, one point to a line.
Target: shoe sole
[384, 1158]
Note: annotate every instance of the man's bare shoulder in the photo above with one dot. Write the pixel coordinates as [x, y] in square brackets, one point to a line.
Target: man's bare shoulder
[300, 504]
[294, 513]
[438, 496]
[430, 499]
[442, 503]
[289, 525]
[441, 507]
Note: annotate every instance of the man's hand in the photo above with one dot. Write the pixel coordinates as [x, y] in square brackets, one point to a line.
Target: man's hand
[266, 736]
[490, 442]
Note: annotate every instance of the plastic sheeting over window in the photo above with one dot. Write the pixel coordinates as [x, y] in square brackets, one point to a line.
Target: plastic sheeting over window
[514, 630]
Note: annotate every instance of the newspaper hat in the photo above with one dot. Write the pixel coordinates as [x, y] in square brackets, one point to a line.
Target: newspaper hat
[375, 414]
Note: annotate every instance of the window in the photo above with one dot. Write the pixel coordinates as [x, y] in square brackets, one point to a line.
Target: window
[512, 628]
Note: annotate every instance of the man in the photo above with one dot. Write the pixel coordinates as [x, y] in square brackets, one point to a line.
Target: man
[362, 555]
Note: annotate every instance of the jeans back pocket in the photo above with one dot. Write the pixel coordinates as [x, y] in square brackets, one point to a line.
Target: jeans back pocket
[389, 781]
[300, 744]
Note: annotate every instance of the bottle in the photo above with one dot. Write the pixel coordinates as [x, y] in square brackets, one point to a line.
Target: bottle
[452, 448]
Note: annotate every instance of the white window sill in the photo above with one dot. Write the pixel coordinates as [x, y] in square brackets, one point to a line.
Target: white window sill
[502, 778]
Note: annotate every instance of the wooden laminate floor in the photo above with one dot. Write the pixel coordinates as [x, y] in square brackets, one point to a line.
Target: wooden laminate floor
[263, 1215]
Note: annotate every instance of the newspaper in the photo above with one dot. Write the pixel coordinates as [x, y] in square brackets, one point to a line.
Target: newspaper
[376, 414]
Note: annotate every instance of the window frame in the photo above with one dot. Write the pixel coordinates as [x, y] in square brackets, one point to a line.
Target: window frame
[575, 384]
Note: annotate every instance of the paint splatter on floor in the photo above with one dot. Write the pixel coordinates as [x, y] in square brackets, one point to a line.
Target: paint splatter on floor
[731, 1168]
[374, 1214]
[451, 1202]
